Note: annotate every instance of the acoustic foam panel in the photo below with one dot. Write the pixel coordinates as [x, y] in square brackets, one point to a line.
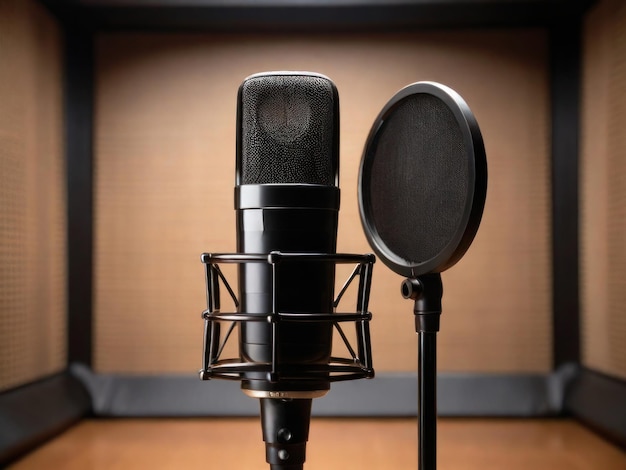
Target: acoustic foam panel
[603, 189]
[32, 195]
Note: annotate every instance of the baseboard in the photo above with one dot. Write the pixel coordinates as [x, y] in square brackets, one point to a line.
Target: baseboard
[33, 413]
[599, 401]
[459, 394]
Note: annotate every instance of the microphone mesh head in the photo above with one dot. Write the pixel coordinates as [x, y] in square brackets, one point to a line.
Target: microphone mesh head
[419, 179]
[288, 127]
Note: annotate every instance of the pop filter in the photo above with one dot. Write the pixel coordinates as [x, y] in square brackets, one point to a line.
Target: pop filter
[423, 180]
[422, 189]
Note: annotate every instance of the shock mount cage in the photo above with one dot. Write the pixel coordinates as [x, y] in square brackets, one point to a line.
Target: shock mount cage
[358, 366]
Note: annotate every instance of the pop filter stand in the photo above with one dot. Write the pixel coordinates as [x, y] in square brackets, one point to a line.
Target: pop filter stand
[422, 188]
[426, 291]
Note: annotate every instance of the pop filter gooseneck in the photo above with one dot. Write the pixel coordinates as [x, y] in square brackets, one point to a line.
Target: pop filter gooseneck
[422, 188]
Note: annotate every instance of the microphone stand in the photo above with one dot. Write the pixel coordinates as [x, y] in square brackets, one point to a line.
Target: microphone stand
[285, 415]
[427, 291]
[285, 431]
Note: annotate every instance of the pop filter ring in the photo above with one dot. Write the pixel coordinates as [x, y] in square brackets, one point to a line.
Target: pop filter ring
[464, 234]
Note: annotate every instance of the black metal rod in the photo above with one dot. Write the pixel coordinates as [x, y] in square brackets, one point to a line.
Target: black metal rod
[565, 61]
[427, 291]
[79, 112]
[212, 329]
[427, 400]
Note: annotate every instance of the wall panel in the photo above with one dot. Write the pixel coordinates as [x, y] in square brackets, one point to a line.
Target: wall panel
[603, 222]
[164, 163]
[32, 195]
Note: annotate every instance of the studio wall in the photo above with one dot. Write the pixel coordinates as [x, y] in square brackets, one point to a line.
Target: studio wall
[603, 189]
[164, 176]
[32, 195]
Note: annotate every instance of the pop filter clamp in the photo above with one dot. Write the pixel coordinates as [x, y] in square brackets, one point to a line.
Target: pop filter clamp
[421, 191]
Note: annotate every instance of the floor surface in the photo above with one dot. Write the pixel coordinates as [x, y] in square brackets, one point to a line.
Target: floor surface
[334, 444]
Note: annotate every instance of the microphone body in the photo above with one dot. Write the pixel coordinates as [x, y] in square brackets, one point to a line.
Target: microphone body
[287, 200]
[284, 218]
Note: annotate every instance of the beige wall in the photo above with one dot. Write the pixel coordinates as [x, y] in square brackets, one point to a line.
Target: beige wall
[165, 130]
[603, 193]
[32, 195]
[164, 158]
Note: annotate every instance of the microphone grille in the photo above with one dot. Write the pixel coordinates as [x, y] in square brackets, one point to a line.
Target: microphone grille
[288, 129]
[419, 178]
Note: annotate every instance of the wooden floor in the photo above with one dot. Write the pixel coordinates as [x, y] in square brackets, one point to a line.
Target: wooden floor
[335, 444]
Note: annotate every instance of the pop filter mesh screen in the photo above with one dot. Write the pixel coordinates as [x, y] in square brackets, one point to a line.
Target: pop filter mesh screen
[287, 130]
[419, 178]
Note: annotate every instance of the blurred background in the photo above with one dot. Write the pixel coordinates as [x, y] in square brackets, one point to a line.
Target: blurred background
[117, 163]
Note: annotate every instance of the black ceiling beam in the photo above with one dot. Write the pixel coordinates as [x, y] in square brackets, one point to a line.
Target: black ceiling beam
[312, 15]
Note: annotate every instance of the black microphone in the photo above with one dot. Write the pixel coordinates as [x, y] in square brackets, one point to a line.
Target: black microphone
[287, 205]
[287, 200]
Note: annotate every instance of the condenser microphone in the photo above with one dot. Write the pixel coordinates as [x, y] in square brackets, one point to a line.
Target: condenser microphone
[287, 200]
[287, 203]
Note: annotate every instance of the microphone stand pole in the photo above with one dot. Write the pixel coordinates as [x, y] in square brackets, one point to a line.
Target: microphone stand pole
[427, 291]
[285, 431]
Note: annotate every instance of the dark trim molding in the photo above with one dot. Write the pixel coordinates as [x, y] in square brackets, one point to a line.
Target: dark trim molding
[312, 15]
[79, 160]
[387, 395]
[599, 401]
[33, 413]
[565, 47]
